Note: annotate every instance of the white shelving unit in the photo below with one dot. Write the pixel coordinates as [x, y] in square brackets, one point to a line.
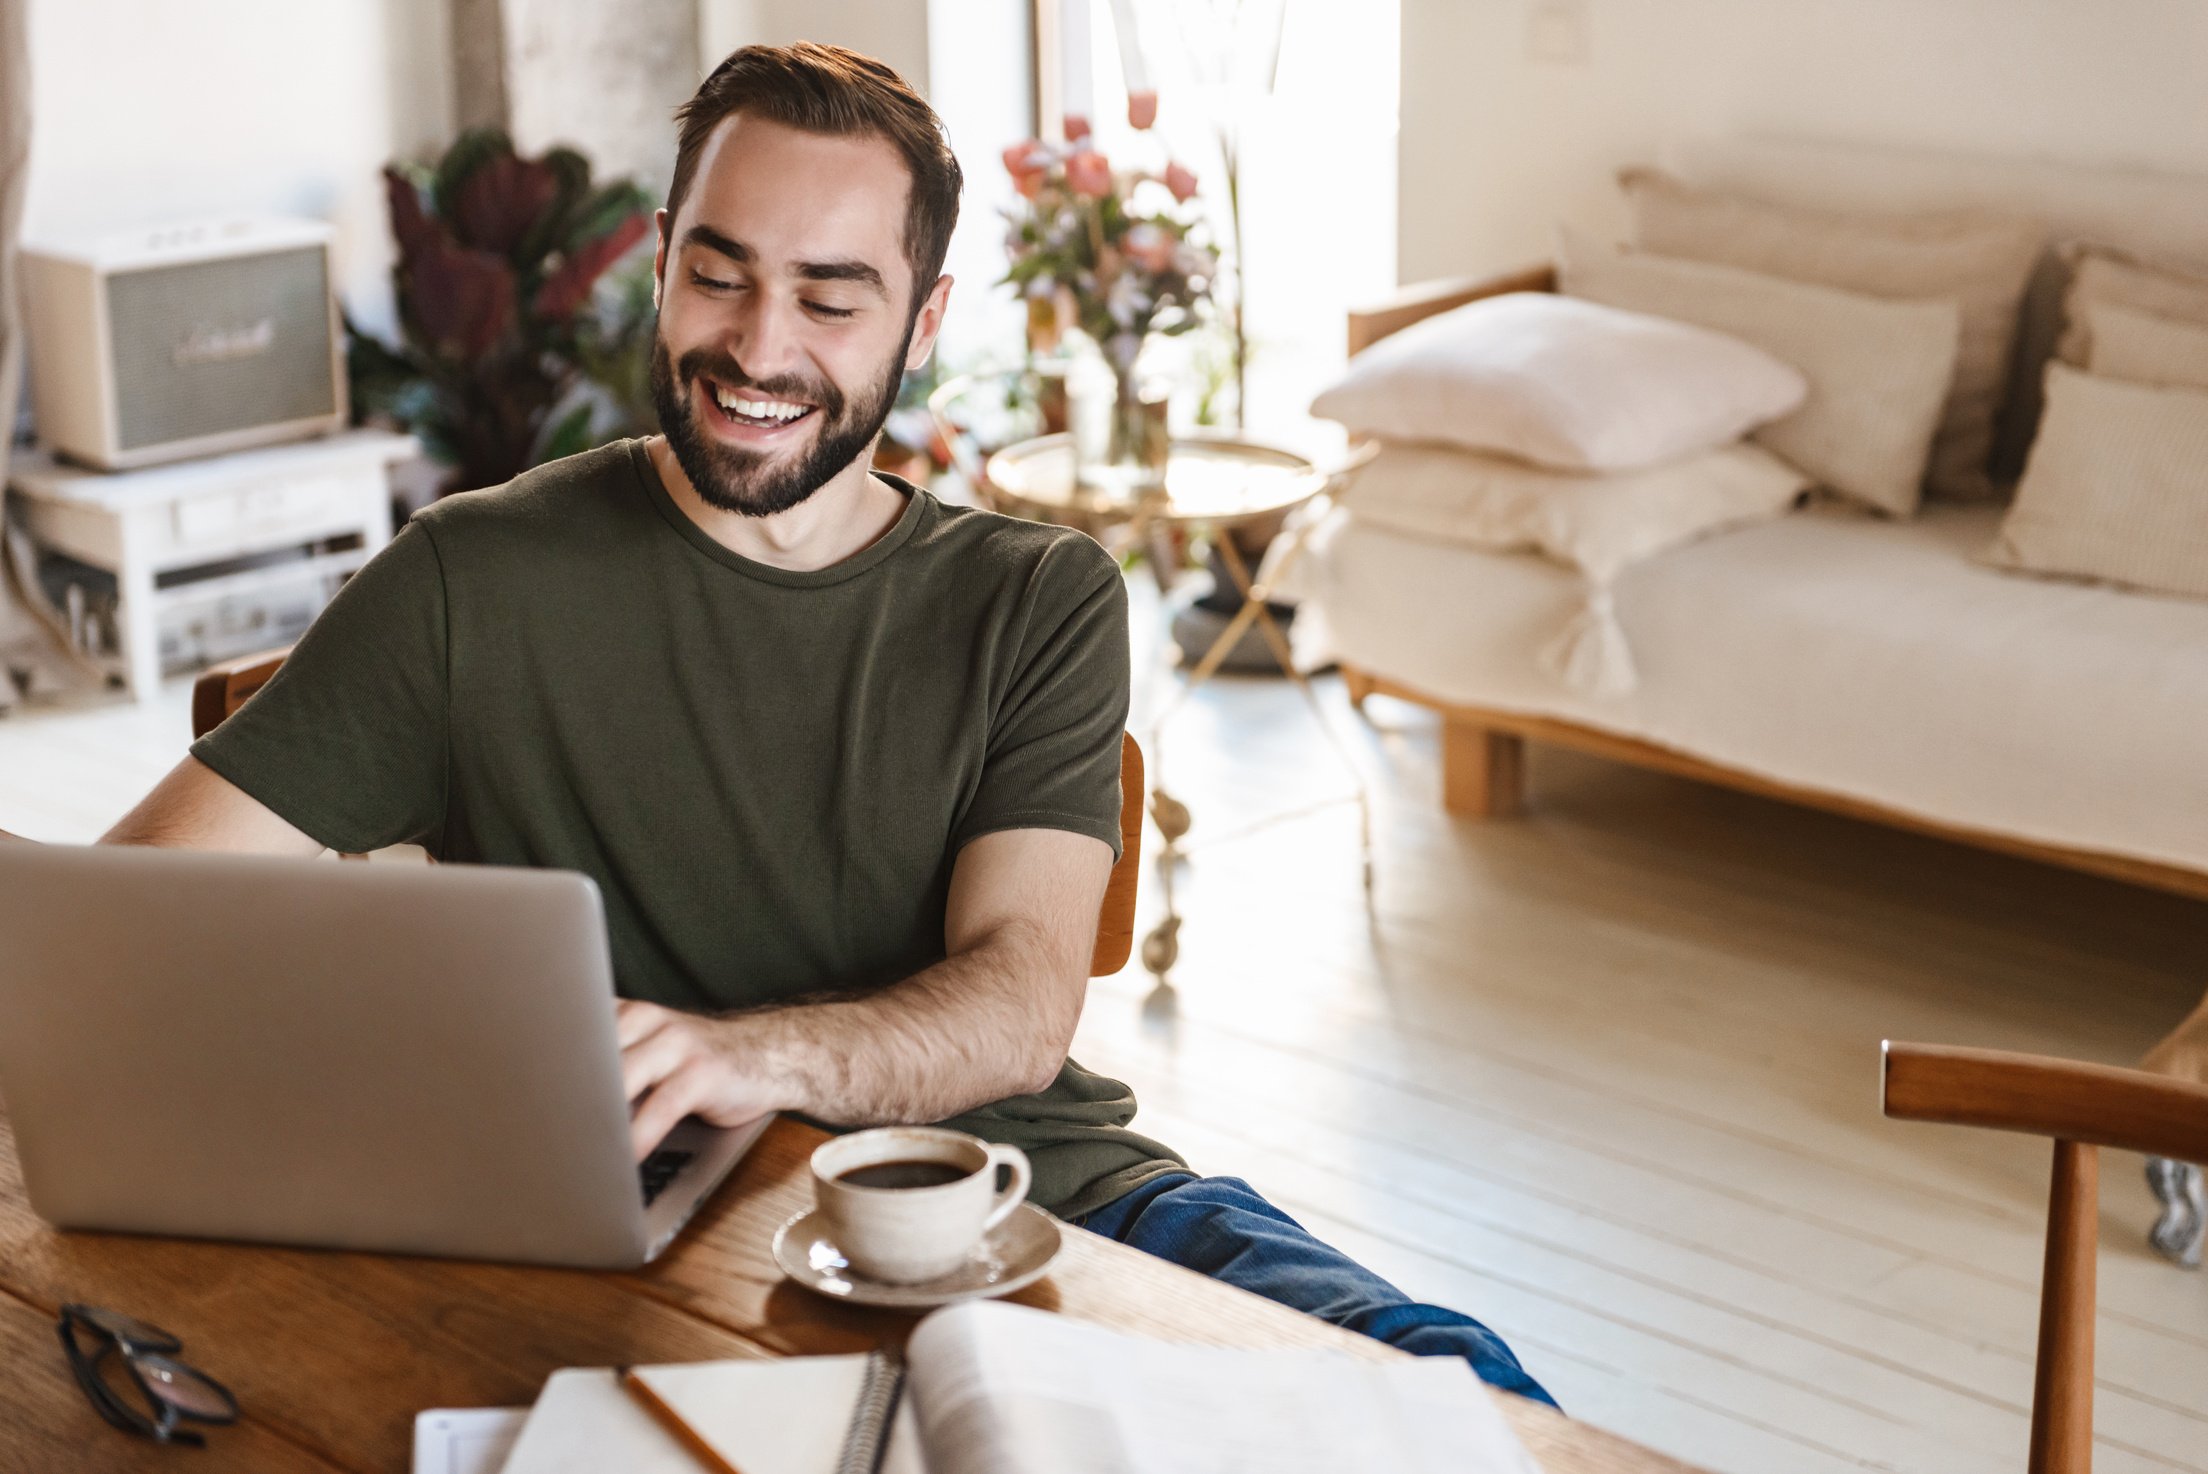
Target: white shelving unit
[287, 522]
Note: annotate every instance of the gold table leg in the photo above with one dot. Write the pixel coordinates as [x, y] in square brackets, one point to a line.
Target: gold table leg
[1162, 946]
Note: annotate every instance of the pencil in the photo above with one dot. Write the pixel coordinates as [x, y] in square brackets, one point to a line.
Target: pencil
[705, 1453]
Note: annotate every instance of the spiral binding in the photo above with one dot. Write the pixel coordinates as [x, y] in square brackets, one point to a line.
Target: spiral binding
[868, 1439]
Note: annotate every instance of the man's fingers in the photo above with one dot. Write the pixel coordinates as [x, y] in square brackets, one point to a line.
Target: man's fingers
[634, 1021]
[672, 1099]
[652, 1059]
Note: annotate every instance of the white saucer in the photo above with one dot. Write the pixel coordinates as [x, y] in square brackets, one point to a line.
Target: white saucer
[1013, 1254]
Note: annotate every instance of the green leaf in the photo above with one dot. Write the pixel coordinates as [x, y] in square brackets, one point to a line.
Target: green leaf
[602, 210]
[571, 436]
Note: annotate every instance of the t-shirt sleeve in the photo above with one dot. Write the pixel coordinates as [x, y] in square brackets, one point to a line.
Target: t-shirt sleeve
[1053, 755]
[347, 742]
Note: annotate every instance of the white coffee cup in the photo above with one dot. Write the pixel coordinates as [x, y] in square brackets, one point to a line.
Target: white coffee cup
[904, 1234]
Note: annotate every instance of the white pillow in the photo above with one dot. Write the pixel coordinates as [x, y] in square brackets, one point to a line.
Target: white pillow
[1878, 370]
[1600, 524]
[2123, 344]
[1980, 259]
[2117, 487]
[1570, 385]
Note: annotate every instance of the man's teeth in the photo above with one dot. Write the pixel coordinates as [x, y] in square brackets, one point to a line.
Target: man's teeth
[759, 409]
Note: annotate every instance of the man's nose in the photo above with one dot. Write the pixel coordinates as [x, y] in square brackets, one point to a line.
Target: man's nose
[767, 341]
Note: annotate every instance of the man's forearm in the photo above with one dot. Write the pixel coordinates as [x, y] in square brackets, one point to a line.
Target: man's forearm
[993, 1020]
[988, 1023]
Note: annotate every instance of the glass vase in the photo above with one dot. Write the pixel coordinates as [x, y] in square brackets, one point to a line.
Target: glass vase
[1120, 441]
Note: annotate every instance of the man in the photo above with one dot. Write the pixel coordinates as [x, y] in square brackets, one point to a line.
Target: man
[843, 761]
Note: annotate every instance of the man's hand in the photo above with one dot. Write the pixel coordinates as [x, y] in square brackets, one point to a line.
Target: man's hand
[685, 1064]
[993, 1019]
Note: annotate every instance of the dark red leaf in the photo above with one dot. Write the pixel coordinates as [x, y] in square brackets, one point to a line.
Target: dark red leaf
[460, 302]
[498, 202]
[566, 289]
[410, 224]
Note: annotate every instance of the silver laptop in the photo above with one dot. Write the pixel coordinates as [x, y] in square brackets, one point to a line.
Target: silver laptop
[404, 1058]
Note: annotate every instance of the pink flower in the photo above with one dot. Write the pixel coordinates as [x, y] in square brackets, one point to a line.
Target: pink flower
[1020, 157]
[1089, 173]
[1077, 127]
[1181, 180]
[1142, 109]
[1148, 246]
[1029, 182]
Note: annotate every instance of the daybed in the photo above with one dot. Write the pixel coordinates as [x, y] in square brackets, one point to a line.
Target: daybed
[1858, 663]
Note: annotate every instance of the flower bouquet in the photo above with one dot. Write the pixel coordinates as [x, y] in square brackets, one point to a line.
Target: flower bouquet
[1114, 252]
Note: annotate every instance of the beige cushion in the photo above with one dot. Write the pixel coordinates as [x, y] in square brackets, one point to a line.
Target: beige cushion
[1599, 524]
[2101, 276]
[1561, 383]
[1981, 259]
[2158, 214]
[1878, 370]
[2145, 348]
[2117, 486]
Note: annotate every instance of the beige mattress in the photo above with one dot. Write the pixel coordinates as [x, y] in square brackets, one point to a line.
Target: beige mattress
[1827, 650]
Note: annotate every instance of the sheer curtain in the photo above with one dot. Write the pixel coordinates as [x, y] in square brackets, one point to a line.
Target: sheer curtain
[27, 651]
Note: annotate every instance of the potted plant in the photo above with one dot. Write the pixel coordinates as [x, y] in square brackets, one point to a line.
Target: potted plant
[500, 259]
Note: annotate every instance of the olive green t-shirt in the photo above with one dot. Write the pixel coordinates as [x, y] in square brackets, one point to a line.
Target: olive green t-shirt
[769, 774]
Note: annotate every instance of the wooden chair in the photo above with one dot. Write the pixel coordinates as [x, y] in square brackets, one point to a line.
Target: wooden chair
[2083, 1107]
[222, 689]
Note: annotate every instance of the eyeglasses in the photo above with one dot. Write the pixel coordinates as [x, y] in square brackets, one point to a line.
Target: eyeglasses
[172, 1391]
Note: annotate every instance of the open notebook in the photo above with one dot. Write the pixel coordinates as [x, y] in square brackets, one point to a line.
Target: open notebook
[1000, 1389]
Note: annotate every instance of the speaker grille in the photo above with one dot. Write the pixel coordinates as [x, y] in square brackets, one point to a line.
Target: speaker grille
[215, 346]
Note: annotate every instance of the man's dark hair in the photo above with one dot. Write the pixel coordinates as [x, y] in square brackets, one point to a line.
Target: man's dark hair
[828, 89]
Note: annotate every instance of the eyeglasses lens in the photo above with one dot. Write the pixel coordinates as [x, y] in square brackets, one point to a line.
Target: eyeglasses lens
[127, 1328]
[184, 1389]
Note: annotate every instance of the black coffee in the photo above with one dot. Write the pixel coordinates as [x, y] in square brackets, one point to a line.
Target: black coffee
[904, 1174]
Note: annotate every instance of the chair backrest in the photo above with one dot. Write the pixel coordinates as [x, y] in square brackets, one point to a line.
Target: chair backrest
[2083, 1107]
[222, 689]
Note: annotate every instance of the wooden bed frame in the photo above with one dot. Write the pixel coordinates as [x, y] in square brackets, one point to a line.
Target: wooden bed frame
[1483, 751]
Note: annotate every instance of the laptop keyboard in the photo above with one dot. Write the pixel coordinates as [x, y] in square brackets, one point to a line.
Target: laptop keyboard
[659, 1169]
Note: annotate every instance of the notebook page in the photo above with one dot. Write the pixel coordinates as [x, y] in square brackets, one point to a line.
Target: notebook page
[1001, 1389]
[465, 1440]
[766, 1417]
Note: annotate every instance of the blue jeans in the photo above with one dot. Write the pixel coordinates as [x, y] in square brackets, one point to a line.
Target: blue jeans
[1219, 1226]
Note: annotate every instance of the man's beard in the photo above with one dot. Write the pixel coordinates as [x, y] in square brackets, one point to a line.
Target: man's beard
[744, 481]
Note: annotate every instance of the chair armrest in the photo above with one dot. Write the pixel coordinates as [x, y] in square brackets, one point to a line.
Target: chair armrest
[1369, 324]
[1115, 929]
[2130, 1110]
[222, 689]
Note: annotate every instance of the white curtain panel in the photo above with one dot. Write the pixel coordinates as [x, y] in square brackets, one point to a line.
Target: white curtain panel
[30, 656]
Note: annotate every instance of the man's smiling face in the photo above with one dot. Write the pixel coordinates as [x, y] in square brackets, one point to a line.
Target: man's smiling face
[785, 311]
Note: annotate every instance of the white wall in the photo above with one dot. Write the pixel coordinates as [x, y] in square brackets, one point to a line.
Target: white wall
[1497, 146]
[153, 110]
[605, 77]
[894, 30]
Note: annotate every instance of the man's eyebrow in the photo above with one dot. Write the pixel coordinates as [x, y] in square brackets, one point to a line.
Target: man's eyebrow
[844, 270]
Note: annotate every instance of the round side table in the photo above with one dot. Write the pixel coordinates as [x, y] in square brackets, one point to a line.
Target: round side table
[1214, 483]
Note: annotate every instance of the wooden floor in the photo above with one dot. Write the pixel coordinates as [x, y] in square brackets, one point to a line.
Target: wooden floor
[1606, 1077]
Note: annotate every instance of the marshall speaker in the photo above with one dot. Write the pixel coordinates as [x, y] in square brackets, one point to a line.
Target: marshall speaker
[155, 345]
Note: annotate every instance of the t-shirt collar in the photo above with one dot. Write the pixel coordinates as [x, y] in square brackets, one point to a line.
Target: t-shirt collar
[917, 504]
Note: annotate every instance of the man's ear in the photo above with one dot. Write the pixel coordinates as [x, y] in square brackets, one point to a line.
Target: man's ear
[663, 221]
[929, 323]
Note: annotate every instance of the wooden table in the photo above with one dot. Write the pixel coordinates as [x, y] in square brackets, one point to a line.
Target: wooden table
[331, 1354]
